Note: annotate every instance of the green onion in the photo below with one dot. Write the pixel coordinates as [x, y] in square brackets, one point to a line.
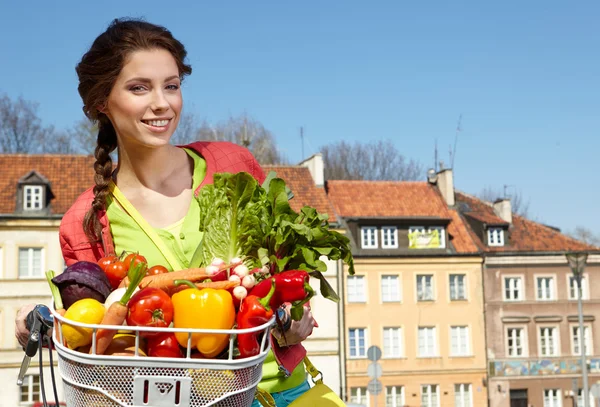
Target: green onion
[58, 304]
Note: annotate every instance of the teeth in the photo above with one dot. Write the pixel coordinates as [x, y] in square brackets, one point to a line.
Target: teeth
[157, 123]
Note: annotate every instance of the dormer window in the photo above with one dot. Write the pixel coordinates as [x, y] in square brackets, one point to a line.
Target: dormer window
[430, 237]
[368, 237]
[33, 197]
[495, 237]
[389, 237]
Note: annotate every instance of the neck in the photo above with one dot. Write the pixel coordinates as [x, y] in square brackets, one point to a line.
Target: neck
[150, 168]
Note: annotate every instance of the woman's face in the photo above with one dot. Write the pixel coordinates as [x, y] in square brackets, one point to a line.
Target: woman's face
[145, 103]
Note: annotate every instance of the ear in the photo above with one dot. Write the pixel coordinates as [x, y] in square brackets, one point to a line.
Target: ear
[103, 108]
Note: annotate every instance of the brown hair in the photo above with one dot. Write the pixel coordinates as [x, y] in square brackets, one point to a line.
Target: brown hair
[98, 72]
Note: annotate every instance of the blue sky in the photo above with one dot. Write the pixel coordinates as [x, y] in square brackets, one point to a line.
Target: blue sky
[524, 75]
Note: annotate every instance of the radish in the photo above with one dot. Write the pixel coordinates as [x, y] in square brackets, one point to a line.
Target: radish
[240, 292]
[235, 279]
[212, 269]
[241, 271]
[217, 262]
[236, 260]
[249, 281]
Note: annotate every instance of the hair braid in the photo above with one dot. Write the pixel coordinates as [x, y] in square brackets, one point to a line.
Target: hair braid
[107, 142]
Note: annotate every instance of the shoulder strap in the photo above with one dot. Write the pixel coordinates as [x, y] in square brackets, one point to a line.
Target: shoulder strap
[317, 376]
[150, 232]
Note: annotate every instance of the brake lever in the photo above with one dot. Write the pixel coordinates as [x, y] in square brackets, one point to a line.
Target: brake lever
[38, 322]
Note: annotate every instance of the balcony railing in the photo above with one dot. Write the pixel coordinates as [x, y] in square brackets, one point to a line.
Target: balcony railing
[541, 367]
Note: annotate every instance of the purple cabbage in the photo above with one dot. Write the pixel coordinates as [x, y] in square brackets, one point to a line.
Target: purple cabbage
[81, 280]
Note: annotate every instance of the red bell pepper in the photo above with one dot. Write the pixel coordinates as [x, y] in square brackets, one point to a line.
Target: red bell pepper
[254, 311]
[292, 287]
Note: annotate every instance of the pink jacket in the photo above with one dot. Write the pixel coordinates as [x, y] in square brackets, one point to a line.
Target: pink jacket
[220, 157]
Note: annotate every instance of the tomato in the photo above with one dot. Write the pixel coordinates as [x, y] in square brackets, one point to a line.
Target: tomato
[133, 259]
[154, 270]
[150, 307]
[105, 261]
[116, 272]
[164, 345]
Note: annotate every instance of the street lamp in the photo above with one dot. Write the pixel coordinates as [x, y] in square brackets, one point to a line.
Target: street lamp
[577, 263]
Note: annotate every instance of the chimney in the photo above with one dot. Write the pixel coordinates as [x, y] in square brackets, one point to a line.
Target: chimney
[316, 168]
[503, 209]
[445, 183]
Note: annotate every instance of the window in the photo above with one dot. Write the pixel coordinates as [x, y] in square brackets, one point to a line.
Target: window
[356, 289]
[390, 289]
[32, 197]
[358, 345]
[516, 342]
[495, 237]
[424, 287]
[548, 341]
[427, 342]
[459, 341]
[513, 288]
[359, 395]
[392, 342]
[429, 395]
[552, 398]
[576, 340]
[580, 397]
[545, 288]
[433, 237]
[31, 262]
[462, 395]
[368, 237]
[457, 287]
[389, 237]
[394, 396]
[573, 287]
[30, 391]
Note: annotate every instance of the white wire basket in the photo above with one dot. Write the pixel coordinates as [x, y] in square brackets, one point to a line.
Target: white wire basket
[137, 380]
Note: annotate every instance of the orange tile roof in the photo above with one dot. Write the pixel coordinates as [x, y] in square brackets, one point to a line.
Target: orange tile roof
[398, 199]
[69, 176]
[300, 181]
[524, 235]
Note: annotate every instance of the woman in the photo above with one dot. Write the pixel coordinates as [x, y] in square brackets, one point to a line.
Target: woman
[130, 84]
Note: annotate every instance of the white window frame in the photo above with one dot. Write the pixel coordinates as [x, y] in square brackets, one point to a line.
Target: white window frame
[440, 229]
[362, 395]
[396, 338]
[524, 341]
[589, 339]
[421, 278]
[495, 237]
[554, 336]
[429, 389]
[454, 277]
[464, 344]
[429, 351]
[386, 284]
[551, 289]
[461, 391]
[27, 387]
[359, 354]
[396, 392]
[585, 293]
[356, 289]
[366, 233]
[30, 275]
[392, 231]
[37, 196]
[552, 398]
[521, 287]
[580, 398]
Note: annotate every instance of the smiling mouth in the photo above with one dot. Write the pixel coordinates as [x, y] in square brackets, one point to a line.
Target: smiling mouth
[157, 123]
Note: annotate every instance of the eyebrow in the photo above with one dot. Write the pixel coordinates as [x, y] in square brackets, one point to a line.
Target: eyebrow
[147, 80]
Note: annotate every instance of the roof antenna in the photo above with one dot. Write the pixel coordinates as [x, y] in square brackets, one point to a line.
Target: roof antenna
[302, 140]
[435, 156]
[458, 129]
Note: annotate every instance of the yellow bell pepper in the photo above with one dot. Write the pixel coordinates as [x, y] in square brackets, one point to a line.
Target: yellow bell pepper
[207, 308]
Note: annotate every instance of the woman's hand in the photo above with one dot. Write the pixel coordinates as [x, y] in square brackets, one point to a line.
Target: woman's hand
[298, 331]
[21, 331]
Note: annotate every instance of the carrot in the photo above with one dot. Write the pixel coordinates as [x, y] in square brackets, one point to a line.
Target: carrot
[165, 281]
[117, 312]
[217, 285]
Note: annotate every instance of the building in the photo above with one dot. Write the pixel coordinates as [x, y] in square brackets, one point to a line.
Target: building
[533, 338]
[35, 192]
[417, 295]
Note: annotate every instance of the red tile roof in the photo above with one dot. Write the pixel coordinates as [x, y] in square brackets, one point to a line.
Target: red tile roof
[300, 181]
[398, 199]
[69, 176]
[488, 218]
[524, 235]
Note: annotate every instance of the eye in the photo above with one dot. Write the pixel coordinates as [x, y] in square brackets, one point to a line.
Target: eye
[172, 87]
[137, 88]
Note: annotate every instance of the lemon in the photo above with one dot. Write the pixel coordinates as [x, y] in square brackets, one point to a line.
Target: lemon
[88, 311]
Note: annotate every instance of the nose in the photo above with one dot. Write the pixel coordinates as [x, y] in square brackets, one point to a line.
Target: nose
[159, 101]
